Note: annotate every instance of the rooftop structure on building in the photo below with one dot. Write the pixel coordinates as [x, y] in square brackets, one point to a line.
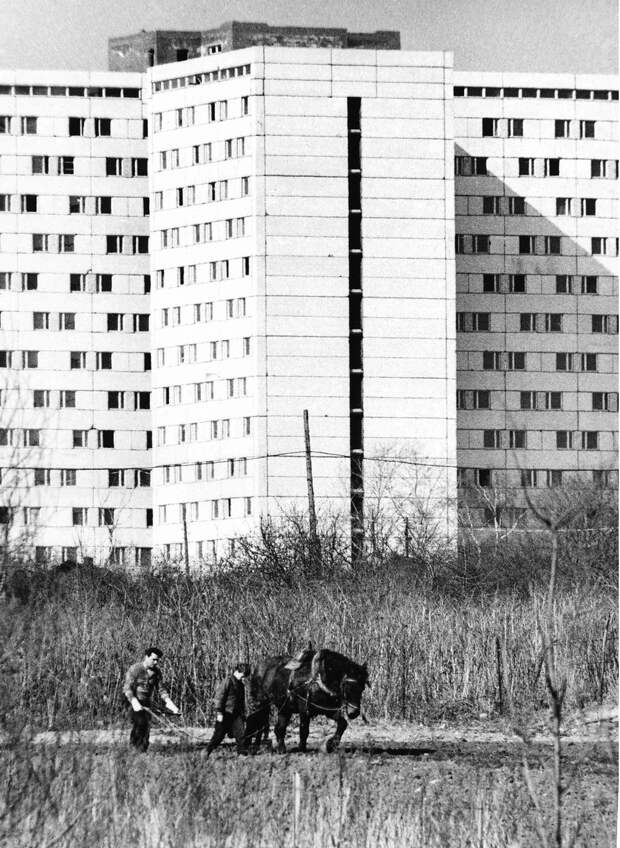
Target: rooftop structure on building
[142, 50]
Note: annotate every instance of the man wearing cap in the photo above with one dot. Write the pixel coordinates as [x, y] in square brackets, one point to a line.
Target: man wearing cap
[142, 680]
[230, 709]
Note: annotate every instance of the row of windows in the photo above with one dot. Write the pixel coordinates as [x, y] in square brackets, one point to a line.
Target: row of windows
[555, 93]
[232, 467]
[66, 243]
[76, 204]
[187, 116]
[513, 127]
[502, 205]
[188, 274]
[518, 284]
[69, 91]
[204, 193]
[517, 439]
[483, 399]
[117, 477]
[89, 127]
[236, 387]
[195, 313]
[200, 233]
[212, 430]
[533, 322]
[33, 437]
[230, 148]
[206, 510]
[476, 166]
[209, 351]
[531, 478]
[531, 245]
[99, 283]
[493, 360]
[218, 75]
[67, 399]
[78, 359]
[115, 166]
[103, 516]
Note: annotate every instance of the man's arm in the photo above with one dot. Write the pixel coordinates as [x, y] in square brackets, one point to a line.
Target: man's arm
[129, 689]
[221, 695]
[165, 696]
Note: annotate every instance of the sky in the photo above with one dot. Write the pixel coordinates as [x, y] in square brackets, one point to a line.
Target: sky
[579, 36]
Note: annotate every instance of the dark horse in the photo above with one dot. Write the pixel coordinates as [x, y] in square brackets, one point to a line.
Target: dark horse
[313, 683]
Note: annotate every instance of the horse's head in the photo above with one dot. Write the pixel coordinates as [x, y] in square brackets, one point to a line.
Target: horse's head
[353, 684]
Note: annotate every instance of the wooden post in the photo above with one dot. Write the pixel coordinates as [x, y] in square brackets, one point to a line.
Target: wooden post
[407, 538]
[500, 678]
[185, 542]
[314, 542]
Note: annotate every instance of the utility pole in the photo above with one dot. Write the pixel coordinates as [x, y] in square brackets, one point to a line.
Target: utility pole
[314, 541]
[185, 542]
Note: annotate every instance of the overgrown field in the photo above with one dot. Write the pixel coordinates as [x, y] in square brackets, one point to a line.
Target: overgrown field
[432, 654]
[74, 797]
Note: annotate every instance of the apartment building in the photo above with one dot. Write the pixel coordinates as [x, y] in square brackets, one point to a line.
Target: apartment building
[195, 252]
[268, 165]
[74, 304]
[537, 283]
[218, 285]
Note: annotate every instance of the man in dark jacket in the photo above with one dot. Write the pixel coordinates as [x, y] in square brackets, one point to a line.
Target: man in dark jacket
[230, 709]
[142, 680]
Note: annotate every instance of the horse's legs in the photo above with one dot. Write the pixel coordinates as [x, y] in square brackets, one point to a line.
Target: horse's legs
[284, 716]
[332, 743]
[304, 730]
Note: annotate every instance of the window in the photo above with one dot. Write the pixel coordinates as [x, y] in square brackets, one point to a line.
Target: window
[552, 245]
[116, 400]
[106, 516]
[605, 324]
[553, 322]
[517, 283]
[526, 167]
[605, 401]
[562, 129]
[466, 166]
[76, 126]
[142, 478]
[41, 398]
[78, 516]
[103, 126]
[66, 321]
[245, 266]
[515, 127]
[40, 164]
[490, 127]
[563, 206]
[77, 205]
[67, 399]
[68, 477]
[491, 283]
[105, 438]
[80, 438]
[552, 168]
[40, 243]
[66, 165]
[492, 438]
[527, 322]
[554, 478]
[589, 440]
[113, 166]
[103, 283]
[104, 360]
[527, 244]
[5, 124]
[32, 438]
[586, 129]
[588, 206]
[140, 244]
[77, 359]
[606, 168]
[517, 439]
[103, 205]
[245, 186]
[245, 105]
[564, 362]
[114, 244]
[564, 439]
[604, 246]
[29, 202]
[116, 477]
[30, 359]
[40, 320]
[115, 321]
[66, 243]
[516, 206]
[140, 166]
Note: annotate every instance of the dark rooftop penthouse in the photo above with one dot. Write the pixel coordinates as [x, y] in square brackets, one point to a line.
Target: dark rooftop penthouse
[144, 49]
